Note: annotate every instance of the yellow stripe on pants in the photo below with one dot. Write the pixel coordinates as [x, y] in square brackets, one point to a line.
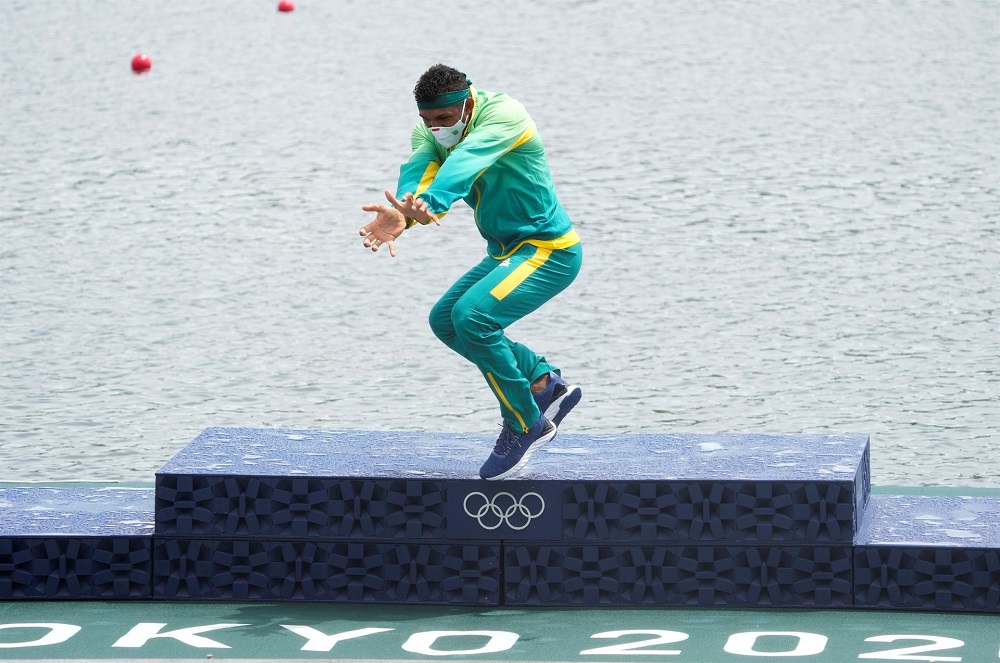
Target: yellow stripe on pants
[523, 271]
[503, 399]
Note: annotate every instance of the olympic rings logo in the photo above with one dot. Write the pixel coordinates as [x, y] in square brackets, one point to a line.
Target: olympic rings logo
[504, 508]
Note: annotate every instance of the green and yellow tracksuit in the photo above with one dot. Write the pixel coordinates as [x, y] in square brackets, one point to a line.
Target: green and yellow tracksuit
[533, 253]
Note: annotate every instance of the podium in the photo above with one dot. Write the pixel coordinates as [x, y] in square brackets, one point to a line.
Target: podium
[593, 520]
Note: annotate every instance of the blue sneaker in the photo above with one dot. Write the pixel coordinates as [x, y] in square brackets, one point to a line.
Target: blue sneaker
[557, 399]
[513, 450]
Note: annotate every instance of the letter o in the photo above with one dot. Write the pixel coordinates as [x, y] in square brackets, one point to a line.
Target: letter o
[810, 644]
[423, 642]
[57, 633]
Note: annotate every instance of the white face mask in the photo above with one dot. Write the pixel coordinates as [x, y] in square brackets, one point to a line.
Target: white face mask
[449, 136]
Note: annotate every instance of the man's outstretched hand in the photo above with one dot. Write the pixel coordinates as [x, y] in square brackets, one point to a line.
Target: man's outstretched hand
[388, 225]
[390, 220]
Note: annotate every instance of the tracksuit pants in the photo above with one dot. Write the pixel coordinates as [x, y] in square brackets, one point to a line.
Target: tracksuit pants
[471, 316]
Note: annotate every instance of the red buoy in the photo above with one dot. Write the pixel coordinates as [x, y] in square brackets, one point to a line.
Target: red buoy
[141, 62]
[286, 6]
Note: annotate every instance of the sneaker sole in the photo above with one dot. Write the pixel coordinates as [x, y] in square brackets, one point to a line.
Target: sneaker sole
[561, 406]
[536, 445]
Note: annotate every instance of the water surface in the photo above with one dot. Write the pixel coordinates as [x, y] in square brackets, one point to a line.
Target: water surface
[789, 213]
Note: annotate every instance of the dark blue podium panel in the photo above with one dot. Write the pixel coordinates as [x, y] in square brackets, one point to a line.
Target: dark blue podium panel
[404, 485]
[299, 507]
[779, 576]
[467, 574]
[661, 511]
[75, 542]
[930, 553]
[766, 511]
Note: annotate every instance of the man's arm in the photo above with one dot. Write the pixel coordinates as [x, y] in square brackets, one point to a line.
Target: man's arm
[502, 128]
[420, 169]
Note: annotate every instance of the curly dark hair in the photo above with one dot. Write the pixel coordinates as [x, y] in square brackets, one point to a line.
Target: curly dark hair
[436, 81]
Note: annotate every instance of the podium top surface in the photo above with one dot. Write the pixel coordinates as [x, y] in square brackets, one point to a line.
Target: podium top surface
[569, 457]
[938, 521]
[75, 511]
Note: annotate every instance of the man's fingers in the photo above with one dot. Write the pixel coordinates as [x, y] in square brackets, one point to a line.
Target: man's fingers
[392, 199]
[376, 244]
[411, 205]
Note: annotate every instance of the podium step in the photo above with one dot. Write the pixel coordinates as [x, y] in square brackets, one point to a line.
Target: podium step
[929, 553]
[356, 484]
[691, 519]
[75, 542]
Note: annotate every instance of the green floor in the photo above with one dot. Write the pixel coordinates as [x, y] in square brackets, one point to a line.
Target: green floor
[193, 631]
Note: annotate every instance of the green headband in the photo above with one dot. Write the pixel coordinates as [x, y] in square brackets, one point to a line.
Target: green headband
[447, 99]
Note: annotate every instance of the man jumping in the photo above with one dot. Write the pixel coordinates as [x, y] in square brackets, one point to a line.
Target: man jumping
[484, 148]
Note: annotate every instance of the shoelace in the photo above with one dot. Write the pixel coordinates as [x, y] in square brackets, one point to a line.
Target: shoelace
[506, 441]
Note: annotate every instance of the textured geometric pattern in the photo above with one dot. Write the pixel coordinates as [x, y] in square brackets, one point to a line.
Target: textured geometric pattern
[709, 512]
[667, 575]
[65, 567]
[954, 579]
[326, 571]
[213, 506]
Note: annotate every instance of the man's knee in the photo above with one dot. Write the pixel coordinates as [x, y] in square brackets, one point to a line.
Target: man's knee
[440, 320]
[472, 324]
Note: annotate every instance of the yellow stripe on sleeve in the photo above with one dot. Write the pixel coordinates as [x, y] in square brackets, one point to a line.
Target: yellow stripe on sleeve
[428, 177]
[425, 183]
[525, 136]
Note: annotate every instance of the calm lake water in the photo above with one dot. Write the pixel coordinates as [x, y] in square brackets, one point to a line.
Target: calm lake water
[789, 213]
